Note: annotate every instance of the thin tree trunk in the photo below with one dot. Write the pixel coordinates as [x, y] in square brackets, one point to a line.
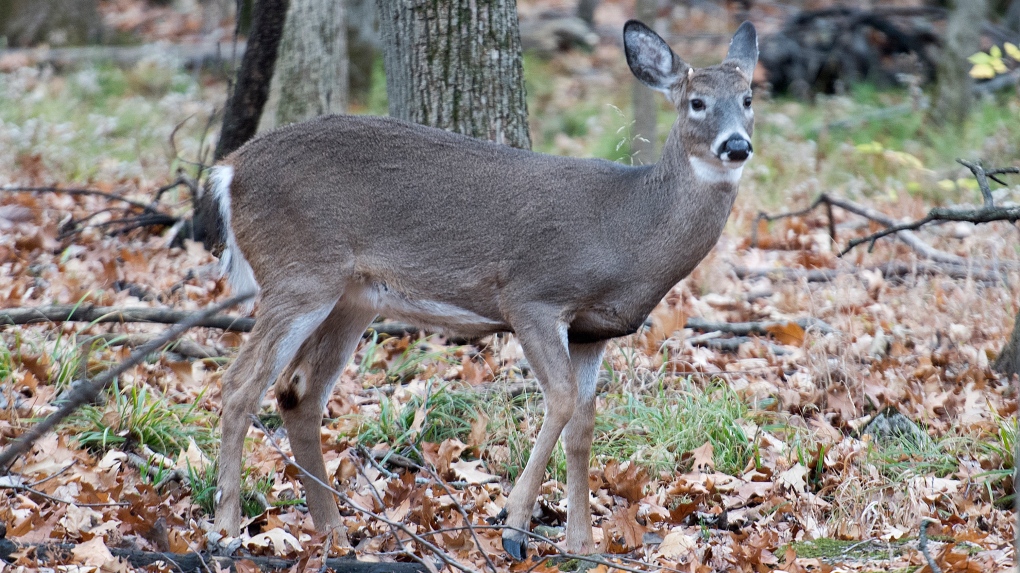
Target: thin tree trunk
[311, 71]
[1008, 362]
[645, 100]
[586, 10]
[963, 37]
[241, 116]
[456, 64]
[244, 107]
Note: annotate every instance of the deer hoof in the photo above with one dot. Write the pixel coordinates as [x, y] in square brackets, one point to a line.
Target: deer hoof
[515, 544]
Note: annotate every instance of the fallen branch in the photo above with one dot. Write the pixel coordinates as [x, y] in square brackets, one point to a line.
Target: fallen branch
[987, 213]
[922, 544]
[759, 327]
[185, 347]
[97, 314]
[200, 562]
[912, 240]
[187, 55]
[89, 389]
[888, 270]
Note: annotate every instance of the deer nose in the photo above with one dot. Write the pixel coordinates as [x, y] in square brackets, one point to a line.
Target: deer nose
[736, 148]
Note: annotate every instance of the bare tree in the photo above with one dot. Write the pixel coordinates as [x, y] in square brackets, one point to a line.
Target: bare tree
[586, 11]
[456, 64]
[27, 22]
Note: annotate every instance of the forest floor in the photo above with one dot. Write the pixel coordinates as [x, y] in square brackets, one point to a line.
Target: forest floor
[864, 406]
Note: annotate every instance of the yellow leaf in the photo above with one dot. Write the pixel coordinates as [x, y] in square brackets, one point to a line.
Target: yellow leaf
[982, 72]
[995, 52]
[788, 333]
[999, 66]
[1012, 51]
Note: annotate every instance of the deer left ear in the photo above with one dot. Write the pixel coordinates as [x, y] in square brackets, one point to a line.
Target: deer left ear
[744, 49]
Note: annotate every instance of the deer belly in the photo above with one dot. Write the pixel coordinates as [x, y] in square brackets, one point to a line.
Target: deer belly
[431, 314]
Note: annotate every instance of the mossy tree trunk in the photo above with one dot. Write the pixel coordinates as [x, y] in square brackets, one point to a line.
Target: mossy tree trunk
[456, 64]
[57, 22]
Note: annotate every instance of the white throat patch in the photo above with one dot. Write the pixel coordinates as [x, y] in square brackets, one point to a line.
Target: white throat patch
[709, 173]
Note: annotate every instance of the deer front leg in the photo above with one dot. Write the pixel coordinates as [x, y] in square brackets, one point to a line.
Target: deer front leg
[544, 343]
[585, 361]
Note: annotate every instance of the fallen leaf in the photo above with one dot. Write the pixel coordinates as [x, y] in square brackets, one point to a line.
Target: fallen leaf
[794, 478]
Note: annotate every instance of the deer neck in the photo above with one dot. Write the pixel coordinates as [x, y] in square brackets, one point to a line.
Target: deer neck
[694, 202]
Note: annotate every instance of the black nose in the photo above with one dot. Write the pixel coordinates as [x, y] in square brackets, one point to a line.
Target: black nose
[736, 148]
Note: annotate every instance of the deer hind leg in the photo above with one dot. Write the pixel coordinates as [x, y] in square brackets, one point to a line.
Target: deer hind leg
[301, 394]
[284, 322]
[585, 360]
[544, 343]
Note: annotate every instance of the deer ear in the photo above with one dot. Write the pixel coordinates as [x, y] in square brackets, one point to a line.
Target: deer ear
[650, 57]
[744, 48]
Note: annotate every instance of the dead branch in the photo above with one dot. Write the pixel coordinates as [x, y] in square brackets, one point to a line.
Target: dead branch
[759, 327]
[199, 562]
[912, 240]
[888, 270]
[189, 56]
[922, 544]
[87, 391]
[987, 213]
[185, 347]
[445, 557]
[97, 314]
[10, 484]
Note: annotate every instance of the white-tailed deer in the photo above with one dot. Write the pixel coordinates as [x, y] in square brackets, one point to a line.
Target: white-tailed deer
[343, 218]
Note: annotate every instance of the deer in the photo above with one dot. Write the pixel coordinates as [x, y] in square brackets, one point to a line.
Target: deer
[344, 218]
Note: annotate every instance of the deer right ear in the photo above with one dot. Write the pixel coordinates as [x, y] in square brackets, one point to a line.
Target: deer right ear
[650, 58]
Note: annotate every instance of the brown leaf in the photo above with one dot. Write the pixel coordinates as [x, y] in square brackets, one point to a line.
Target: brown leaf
[624, 521]
[788, 333]
[629, 483]
[703, 461]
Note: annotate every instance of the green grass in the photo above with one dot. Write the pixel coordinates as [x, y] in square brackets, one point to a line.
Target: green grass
[253, 490]
[901, 457]
[1000, 449]
[138, 415]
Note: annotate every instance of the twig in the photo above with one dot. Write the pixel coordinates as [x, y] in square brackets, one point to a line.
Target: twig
[184, 346]
[888, 270]
[87, 391]
[987, 213]
[460, 508]
[49, 477]
[25, 488]
[922, 544]
[86, 192]
[445, 557]
[393, 529]
[760, 327]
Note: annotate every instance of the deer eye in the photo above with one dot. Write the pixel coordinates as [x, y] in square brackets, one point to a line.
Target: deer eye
[747, 102]
[697, 105]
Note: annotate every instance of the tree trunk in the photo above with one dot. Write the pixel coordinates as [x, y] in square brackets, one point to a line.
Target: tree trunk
[456, 64]
[311, 72]
[644, 99]
[963, 37]
[586, 11]
[241, 116]
[56, 22]
[1012, 19]
[363, 47]
[1008, 362]
[244, 107]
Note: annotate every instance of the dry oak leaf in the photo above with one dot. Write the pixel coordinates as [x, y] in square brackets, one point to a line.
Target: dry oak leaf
[278, 540]
[788, 333]
[94, 553]
[624, 521]
[703, 461]
[794, 478]
[677, 545]
[469, 472]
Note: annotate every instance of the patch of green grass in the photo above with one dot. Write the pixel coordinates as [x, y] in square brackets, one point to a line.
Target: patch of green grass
[844, 549]
[901, 457]
[445, 412]
[138, 415]
[658, 428]
[1001, 449]
[253, 490]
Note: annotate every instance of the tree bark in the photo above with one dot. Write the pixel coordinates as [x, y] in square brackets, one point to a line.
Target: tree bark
[55, 22]
[963, 37]
[645, 100]
[311, 69]
[1008, 362]
[456, 64]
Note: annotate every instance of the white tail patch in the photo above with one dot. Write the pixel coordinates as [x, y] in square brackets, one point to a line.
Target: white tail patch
[232, 261]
